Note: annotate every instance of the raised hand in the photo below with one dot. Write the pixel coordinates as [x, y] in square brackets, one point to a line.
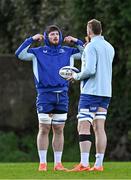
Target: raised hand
[69, 39]
[38, 37]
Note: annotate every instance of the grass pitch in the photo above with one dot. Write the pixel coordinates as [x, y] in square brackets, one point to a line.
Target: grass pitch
[113, 170]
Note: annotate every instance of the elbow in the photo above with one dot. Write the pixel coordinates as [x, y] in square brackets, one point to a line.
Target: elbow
[92, 70]
[92, 73]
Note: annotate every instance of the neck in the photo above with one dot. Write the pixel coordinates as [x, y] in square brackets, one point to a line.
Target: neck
[94, 35]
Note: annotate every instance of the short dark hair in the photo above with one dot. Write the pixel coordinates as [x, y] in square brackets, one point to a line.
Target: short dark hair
[52, 28]
[95, 25]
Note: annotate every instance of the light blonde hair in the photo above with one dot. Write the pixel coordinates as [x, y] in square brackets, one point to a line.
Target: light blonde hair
[95, 26]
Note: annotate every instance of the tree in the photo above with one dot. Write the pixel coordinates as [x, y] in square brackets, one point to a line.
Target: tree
[21, 19]
[116, 21]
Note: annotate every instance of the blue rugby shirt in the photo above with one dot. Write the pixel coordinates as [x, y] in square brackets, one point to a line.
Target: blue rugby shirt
[47, 61]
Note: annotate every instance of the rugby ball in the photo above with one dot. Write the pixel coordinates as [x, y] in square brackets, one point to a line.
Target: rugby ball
[67, 71]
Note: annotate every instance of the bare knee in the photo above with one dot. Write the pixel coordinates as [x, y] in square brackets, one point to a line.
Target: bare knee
[98, 128]
[84, 127]
[44, 129]
[58, 129]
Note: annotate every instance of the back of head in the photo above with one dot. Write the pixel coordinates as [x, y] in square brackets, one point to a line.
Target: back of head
[95, 26]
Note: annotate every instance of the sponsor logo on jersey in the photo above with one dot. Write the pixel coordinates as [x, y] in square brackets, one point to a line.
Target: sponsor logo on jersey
[44, 51]
[61, 51]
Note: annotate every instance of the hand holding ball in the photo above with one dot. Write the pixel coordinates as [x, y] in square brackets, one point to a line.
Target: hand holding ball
[67, 71]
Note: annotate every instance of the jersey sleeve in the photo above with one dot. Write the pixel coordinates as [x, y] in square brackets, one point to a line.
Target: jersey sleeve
[79, 44]
[90, 62]
[74, 57]
[24, 52]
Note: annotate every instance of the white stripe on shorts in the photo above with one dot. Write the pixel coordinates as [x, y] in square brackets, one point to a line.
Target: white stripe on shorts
[59, 118]
[100, 115]
[85, 115]
[44, 118]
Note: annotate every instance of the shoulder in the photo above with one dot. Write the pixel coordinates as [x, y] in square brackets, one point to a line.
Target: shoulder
[108, 43]
[109, 46]
[35, 49]
[90, 45]
[66, 48]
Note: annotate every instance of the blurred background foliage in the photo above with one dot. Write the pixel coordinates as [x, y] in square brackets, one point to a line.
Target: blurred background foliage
[18, 119]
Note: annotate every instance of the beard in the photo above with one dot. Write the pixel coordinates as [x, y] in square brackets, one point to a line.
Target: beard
[54, 42]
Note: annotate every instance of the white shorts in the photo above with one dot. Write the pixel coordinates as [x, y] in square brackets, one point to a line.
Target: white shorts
[52, 119]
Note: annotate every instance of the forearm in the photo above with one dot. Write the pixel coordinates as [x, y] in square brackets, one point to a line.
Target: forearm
[74, 57]
[25, 44]
[79, 42]
[79, 45]
[89, 63]
[87, 71]
[22, 51]
[82, 75]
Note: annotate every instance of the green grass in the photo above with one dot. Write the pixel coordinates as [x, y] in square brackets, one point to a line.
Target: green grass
[113, 170]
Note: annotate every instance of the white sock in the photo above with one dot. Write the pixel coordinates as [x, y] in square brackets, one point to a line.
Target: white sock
[57, 157]
[42, 156]
[99, 159]
[85, 159]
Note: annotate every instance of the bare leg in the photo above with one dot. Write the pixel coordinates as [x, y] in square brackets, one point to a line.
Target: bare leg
[43, 141]
[58, 142]
[100, 139]
[100, 135]
[84, 129]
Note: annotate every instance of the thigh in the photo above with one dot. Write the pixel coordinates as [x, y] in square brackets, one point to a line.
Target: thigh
[44, 128]
[59, 119]
[45, 106]
[84, 127]
[62, 103]
[88, 106]
[102, 109]
[44, 118]
[45, 102]
[98, 125]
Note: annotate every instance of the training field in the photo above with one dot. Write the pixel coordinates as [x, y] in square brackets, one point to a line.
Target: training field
[113, 170]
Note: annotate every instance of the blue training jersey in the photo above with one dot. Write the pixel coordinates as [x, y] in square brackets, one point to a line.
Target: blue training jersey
[47, 61]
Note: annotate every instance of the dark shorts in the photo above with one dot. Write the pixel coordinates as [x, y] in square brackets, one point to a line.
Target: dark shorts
[52, 102]
[92, 102]
[88, 107]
